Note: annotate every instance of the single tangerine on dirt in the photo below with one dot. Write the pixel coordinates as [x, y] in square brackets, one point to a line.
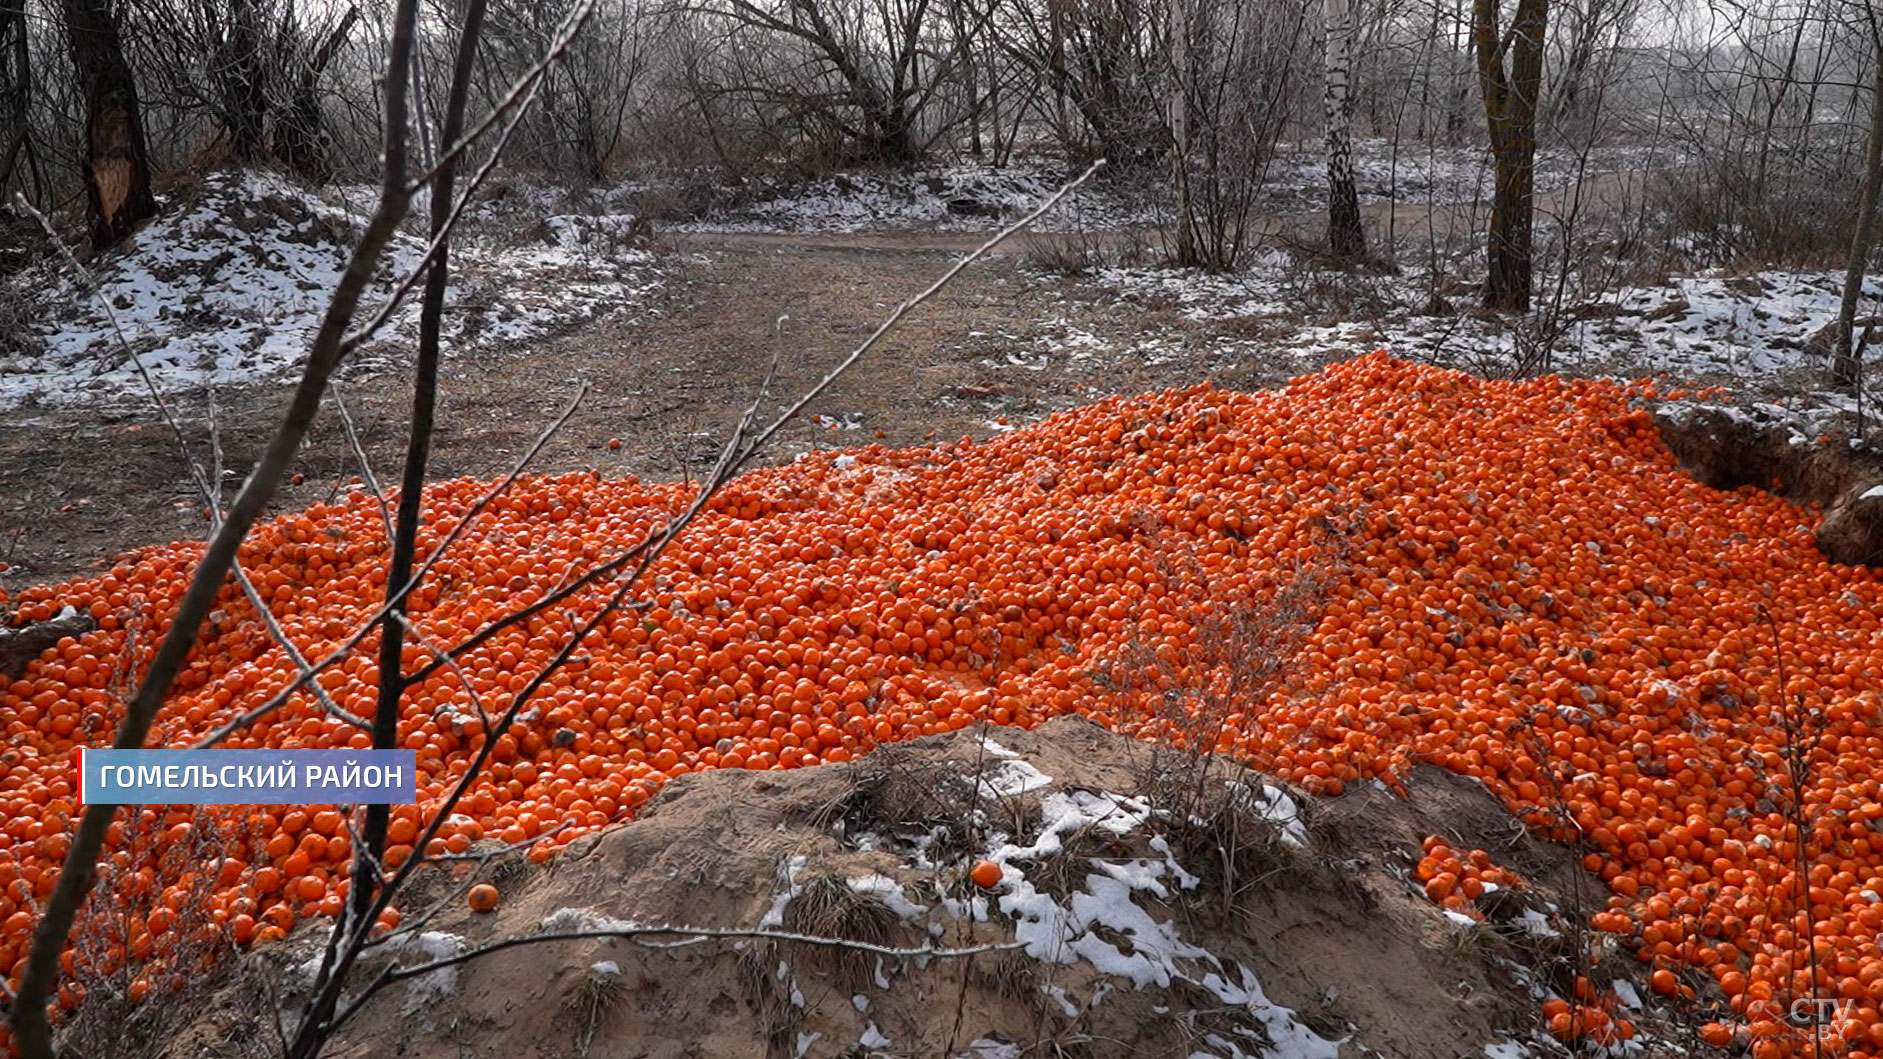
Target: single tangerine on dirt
[986, 874]
[482, 898]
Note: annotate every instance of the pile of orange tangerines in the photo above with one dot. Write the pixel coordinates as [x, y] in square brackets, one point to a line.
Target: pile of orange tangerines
[1516, 583]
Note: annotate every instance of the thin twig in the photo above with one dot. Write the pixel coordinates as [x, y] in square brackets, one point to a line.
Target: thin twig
[522, 94]
[455, 897]
[124, 343]
[280, 636]
[693, 935]
[359, 456]
[904, 309]
[372, 621]
[438, 653]
[740, 446]
[519, 94]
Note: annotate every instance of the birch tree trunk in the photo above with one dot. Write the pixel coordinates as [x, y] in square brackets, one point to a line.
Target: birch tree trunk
[1345, 238]
[1845, 369]
[1187, 255]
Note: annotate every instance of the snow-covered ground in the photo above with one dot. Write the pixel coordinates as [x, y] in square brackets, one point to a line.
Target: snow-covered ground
[1387, 171]
[954, 197]
[1751, 332]
[973, 196]
[228, 285]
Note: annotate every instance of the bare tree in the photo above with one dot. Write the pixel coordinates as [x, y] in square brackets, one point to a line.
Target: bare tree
[16, 83]
[32, 1033]
[117, 160]
[377, 884]
[1234, 71]
[1346, 239]
[1101, 57]
[317, 1020]
[1590, 30]
[1510, 76]
[301, 140]
[242, 71]
[878, 67]
[1846, 367]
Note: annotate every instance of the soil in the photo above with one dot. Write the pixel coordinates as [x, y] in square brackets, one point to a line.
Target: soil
[1335, 931]
[80, 486]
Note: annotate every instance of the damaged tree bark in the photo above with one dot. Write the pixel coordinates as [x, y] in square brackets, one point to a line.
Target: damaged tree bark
[117, 161]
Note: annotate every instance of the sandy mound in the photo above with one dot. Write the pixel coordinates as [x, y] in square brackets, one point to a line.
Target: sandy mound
[1152, 921]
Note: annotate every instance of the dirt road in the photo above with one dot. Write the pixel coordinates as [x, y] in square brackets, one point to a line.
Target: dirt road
[79, 486]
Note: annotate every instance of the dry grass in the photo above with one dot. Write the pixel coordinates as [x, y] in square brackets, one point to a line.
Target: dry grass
[770, 998]
[827, 907]
[181, 970]
[910, 804]
[510, 869]
[590, 1000]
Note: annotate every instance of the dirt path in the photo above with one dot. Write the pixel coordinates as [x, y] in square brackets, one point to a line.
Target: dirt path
[78, 487]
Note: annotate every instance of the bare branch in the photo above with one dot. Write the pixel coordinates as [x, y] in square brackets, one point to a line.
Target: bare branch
[903, 310]
[359, 456]
[332, 708]
[687, 936]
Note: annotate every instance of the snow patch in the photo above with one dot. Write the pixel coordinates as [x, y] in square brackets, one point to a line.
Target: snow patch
[775, 916]
[1273, 804]
[1010, 777]
[964, 196]
[1102, 924]
[565, 920]
[426, 948]
[228, 284]
[890, 892]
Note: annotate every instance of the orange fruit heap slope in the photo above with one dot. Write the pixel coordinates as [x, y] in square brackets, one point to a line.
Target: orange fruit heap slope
[1515, 583]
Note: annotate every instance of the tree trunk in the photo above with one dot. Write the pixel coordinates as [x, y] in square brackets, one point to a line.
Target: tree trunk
[1510, 100]
[1346, 239]
[244, 77]
[300, 139]
[1845, 369]
[1187, 250]
[1507, 284]
[117, 161]
[16, 80]
[892, 139]
[963, 44]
